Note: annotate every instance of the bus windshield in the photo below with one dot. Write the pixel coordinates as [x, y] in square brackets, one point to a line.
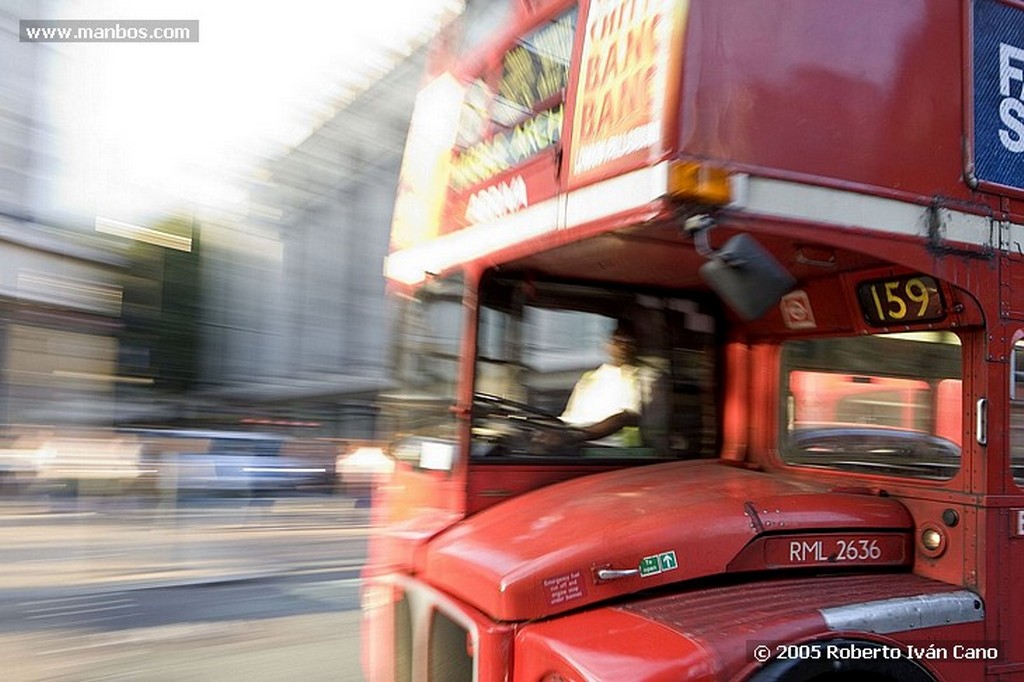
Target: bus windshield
[883, 404]
[547, 366]
[425, 363]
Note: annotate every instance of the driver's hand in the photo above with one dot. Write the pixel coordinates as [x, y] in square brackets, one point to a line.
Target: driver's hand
[548, 441]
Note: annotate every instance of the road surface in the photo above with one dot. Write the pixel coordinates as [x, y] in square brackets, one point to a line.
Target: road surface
[216, 590]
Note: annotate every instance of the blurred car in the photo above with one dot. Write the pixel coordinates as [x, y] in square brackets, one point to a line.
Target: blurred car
[362, 467]
[19, 467]
[196, 461]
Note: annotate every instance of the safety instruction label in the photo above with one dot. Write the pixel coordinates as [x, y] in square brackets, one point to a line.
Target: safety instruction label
[563, 588]
[658, 563]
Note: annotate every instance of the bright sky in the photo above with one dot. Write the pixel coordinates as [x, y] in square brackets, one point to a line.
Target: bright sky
[143, 128]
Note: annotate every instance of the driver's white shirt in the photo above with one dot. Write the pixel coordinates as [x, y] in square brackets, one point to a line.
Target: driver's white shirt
[601, 393]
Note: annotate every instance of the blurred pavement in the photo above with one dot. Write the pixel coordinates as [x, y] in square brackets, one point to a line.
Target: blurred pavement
[89, 546]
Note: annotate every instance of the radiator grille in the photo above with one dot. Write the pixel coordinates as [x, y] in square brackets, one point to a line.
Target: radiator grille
[403, 640]
[450, 655]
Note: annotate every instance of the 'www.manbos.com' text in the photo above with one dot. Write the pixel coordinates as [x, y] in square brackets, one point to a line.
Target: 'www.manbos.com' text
[108, 31]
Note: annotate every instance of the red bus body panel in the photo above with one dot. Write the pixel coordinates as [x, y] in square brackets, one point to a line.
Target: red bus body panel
[536, 555]
[865, 94]
[711, 633]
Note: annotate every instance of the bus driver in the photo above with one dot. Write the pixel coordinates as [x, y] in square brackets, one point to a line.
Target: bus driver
[607, 404]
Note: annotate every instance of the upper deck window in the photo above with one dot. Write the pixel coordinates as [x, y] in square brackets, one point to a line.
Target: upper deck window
[480, 21]
[883, 404]
[514, 110]
[1017, 412]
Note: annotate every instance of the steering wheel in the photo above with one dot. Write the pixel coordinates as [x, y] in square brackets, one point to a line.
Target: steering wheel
[487, 405]
[516, 425]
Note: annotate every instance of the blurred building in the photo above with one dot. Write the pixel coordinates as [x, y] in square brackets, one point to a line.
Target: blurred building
[295, 323]
[295, 326]
[60, 288]
[276, 315]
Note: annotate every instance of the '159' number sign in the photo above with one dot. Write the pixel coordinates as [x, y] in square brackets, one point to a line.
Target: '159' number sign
[909, 299]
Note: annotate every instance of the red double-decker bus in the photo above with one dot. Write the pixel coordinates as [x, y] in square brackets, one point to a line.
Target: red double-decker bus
[789, 237]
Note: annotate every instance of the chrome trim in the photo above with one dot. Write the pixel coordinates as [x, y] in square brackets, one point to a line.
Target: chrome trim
[616, 573]
[981, 422]
[886, 616]
[791, 200]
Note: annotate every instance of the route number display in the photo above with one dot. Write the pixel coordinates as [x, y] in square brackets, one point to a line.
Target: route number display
[910, 299]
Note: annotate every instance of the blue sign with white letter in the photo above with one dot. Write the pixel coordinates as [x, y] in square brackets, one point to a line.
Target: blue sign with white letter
[999, 93]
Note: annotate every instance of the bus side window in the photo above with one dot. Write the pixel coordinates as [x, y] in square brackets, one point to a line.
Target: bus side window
[1017, 412]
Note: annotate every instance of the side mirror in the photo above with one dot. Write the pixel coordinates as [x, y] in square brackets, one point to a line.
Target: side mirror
[747, 277]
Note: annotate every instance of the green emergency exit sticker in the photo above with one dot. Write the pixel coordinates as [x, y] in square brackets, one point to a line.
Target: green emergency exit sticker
[658, 563]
